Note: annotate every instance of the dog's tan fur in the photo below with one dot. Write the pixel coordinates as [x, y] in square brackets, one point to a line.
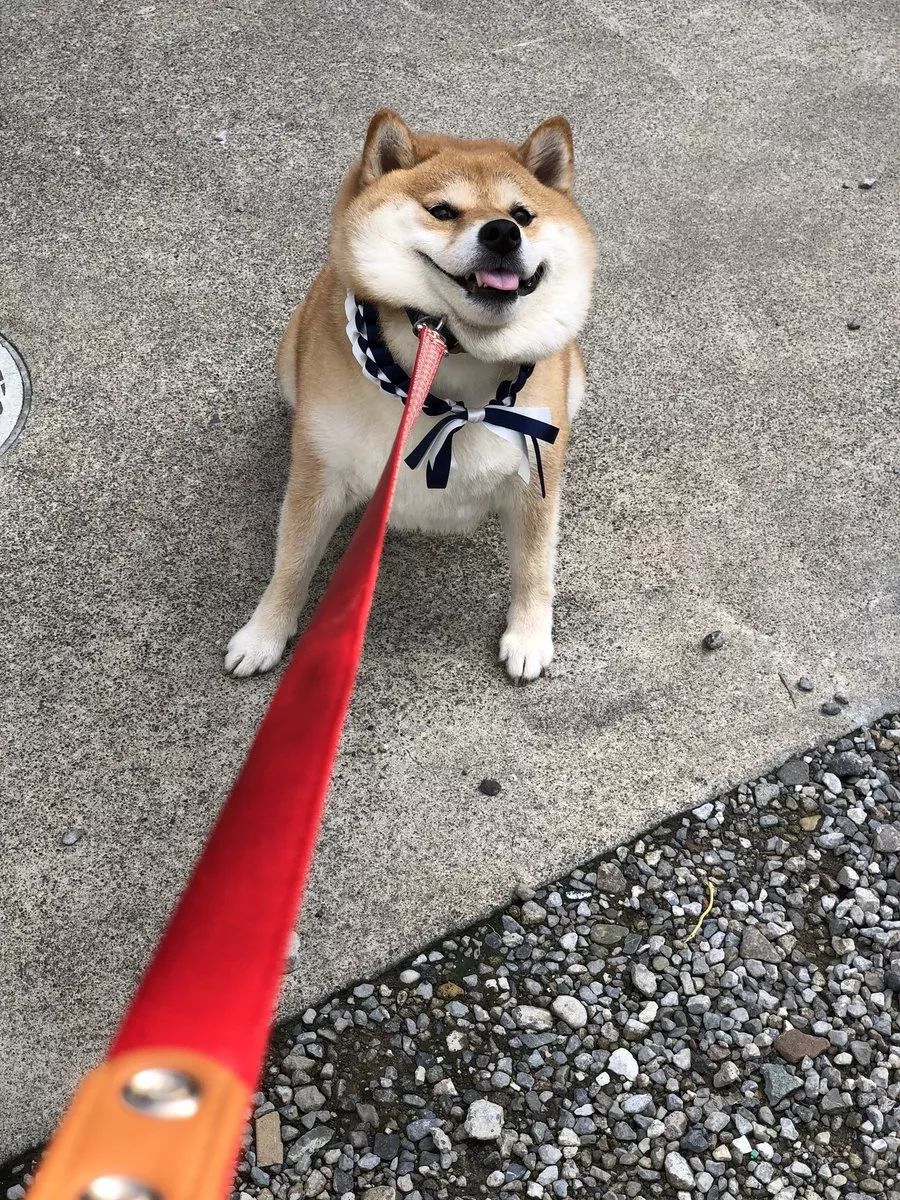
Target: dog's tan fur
[343, 424]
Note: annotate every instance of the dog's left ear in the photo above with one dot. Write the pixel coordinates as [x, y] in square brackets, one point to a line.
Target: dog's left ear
[389, 146]
[549, 154]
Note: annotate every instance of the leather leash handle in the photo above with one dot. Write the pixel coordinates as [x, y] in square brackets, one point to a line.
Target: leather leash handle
[162, 1118]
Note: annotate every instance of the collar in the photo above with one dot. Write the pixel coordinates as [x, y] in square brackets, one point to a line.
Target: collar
[521, 426]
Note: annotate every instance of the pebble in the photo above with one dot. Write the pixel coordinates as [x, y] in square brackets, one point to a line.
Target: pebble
[490, 787]
[728, 1074]
[610, 879]
[755, 945]
[622, 1062]
[778, 1082]
[714, 640]
[644, 980]
[484, 1121]
[794, 773]
[71, 836]
[267, 1138]
[830, 708]
[533, 914]
[887, 839]
[794, 1045]
[678, 1173]
[847, 765]
[571, 1010]
[805, 684]
[527, 1016]
[309, 1099]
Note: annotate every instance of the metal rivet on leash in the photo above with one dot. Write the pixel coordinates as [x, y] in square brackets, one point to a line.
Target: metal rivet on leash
[118, 1187]
[162, 1092]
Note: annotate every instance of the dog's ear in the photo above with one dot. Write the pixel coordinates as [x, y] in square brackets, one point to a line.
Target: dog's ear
[389, 146]
[549, 155]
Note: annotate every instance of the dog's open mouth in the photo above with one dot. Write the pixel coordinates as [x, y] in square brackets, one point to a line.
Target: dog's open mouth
[501, 286]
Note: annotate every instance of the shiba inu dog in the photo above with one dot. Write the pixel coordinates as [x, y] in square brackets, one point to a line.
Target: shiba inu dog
[485, 234]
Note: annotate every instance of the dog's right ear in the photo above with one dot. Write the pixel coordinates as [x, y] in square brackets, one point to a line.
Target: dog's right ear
[389, 146]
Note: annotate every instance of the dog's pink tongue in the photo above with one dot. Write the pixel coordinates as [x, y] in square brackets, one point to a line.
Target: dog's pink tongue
[502, 281]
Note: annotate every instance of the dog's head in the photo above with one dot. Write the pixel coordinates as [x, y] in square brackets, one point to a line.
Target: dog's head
[483, 232]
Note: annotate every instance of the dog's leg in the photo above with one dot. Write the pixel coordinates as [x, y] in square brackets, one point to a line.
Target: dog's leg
[530, 524]
[310, 514]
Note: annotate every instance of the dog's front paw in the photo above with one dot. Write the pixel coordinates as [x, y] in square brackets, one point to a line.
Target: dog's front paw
[254, 649]
[526, 649]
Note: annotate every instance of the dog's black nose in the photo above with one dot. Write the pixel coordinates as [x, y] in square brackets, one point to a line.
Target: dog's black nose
[501, 236]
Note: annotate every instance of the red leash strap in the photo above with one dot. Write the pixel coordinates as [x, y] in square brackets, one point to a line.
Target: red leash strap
[163, 1115]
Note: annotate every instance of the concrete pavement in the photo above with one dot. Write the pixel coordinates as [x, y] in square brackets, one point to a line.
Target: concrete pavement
[168, 171]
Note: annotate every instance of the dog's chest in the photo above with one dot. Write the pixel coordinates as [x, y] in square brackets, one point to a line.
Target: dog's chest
[353, 439]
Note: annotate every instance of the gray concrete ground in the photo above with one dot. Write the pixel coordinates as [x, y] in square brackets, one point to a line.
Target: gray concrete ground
[736, 467]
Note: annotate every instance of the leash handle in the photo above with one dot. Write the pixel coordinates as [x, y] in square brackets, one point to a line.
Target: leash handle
[161, 1119]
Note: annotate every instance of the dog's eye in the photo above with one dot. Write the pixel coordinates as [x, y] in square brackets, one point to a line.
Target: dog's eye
[443, 212]
[521, 215]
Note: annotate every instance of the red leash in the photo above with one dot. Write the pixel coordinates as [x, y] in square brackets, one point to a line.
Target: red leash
[164, 1113]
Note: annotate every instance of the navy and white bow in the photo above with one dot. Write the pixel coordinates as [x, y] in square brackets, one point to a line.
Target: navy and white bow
[517, 425]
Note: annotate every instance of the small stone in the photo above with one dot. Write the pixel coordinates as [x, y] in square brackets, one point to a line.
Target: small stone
[608, 935]
[309, 1099]
[808, 824]
[316, 1184]
[644, 979]
[490, 787]
[755, 945]
[778, 1082]
[267, 1138]
[532, 913]
[853, 324]
[307, 1145]
[794, 773]
[727, 1075]
[678, 1173]
[610, 879]
[887, 839]
[767, 792]
[386, 1146]
[866, 183]
[830, 709]
[449, 990]
[832, 783]
[847, 765]
[484, 1121]
[71, 836]
[528, 1016]
[805, 684]
[834, 1101]
[714, 640]
[793, 1045]
[622, 1062]
[380, 1193]
[841, 698]
[571, 1010]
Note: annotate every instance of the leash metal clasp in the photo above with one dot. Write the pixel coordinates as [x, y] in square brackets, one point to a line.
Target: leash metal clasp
[435, 324]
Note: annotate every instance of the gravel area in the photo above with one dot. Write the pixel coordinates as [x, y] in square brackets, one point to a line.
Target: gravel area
[713, 1010]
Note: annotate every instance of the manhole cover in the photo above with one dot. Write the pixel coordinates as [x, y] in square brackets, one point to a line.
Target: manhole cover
[15, 394]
